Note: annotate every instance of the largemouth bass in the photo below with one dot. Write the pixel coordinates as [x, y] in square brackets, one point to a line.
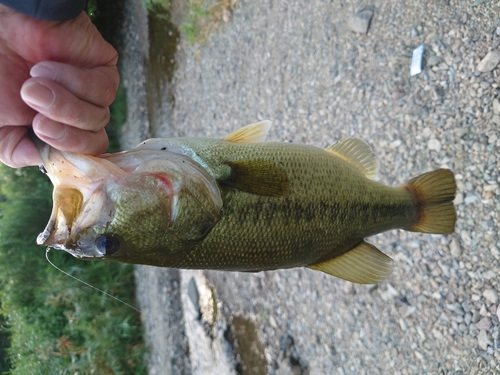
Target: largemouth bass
[239, 204]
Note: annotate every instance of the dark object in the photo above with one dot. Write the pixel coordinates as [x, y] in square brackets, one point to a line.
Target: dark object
[53, 10]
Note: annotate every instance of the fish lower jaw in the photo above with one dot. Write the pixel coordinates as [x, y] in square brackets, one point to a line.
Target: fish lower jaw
[44, 239]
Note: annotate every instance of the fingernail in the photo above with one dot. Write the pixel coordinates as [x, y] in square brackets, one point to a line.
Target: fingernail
[51, 129]
[41, 70]
[37, 94]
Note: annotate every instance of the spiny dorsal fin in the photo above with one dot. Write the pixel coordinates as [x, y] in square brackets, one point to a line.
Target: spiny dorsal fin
[364, 264]
[257, 177]
[357, 153]
[251, 133]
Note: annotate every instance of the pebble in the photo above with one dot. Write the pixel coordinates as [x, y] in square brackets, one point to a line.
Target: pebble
[438, 335]
[478, 2]
[482, 340]
[475, 316]
[489, 62]
[484, 324]
[496, 106]
[434, 145]
[455, 248]
[433, 61]
[194, 295]
[496, 119]
[360, 21]
[465, 237]
[495, 252]
[488, 275]
[490, 187]
[491, 295]
[470, 199]
[483, 311]
[468, 318]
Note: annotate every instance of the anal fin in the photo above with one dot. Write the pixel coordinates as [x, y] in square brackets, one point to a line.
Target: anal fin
[364, 264]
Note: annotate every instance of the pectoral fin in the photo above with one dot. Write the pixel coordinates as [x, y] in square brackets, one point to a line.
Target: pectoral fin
[251, 133]
[257, 177]
[364, 264]
[357, 153]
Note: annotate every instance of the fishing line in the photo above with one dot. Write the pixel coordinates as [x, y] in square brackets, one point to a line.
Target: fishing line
[115, 298]
[91, 286]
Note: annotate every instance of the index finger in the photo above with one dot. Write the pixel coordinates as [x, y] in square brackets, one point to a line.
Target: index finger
[96, 85]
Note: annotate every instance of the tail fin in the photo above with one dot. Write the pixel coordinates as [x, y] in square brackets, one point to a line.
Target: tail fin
[435, 192]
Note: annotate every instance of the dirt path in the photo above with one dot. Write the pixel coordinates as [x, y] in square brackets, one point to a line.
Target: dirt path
[300, 65]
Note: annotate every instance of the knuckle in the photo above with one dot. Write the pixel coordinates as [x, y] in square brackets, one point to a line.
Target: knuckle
[108, 95]
[105, 118]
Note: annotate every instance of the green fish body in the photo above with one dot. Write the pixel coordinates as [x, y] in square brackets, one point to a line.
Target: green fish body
[240, 204]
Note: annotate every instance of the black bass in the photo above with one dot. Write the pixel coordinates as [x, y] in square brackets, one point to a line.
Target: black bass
[239, 204]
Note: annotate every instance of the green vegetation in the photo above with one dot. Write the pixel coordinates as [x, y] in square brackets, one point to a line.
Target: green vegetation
[160, 8]
[118, 113]
[204, 17]
[200, 17]
[50, 323]
[56, 324]
[193, 25]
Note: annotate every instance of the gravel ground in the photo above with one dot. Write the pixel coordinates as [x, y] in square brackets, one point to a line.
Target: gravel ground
[300, 65]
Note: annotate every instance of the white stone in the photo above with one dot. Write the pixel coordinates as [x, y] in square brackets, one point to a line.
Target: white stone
[438, 335]
[470, 199]
[360, 21]
[433, 60]
[459, 198]
[490, 187]
[455, 248]
[491, 295]
[434, 144]
[489, 62]
[482, 340]
[496, 106]
[496, 119]
[484, 324]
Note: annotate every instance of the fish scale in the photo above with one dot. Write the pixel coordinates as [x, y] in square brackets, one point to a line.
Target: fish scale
[240, 204]
[327, 206]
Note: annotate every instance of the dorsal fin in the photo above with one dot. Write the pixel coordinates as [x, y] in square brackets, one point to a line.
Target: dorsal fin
[364, 264]
[357, 153]
[251, 133]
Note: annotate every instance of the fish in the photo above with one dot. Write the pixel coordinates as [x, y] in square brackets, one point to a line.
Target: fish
[239, 204]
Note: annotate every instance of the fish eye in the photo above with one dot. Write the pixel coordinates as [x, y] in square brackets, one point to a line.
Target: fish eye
[107, 244]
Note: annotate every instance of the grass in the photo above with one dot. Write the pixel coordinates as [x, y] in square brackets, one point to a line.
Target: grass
[50, 323]
[160, 8]
[57, 325]
[118, 113]
[204, 18]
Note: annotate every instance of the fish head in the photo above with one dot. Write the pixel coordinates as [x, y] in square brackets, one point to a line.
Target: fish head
[127, 205]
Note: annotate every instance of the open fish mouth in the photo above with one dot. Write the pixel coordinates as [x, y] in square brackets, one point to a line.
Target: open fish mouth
[79, 187]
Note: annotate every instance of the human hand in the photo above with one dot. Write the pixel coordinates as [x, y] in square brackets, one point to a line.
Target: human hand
[58, 76]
